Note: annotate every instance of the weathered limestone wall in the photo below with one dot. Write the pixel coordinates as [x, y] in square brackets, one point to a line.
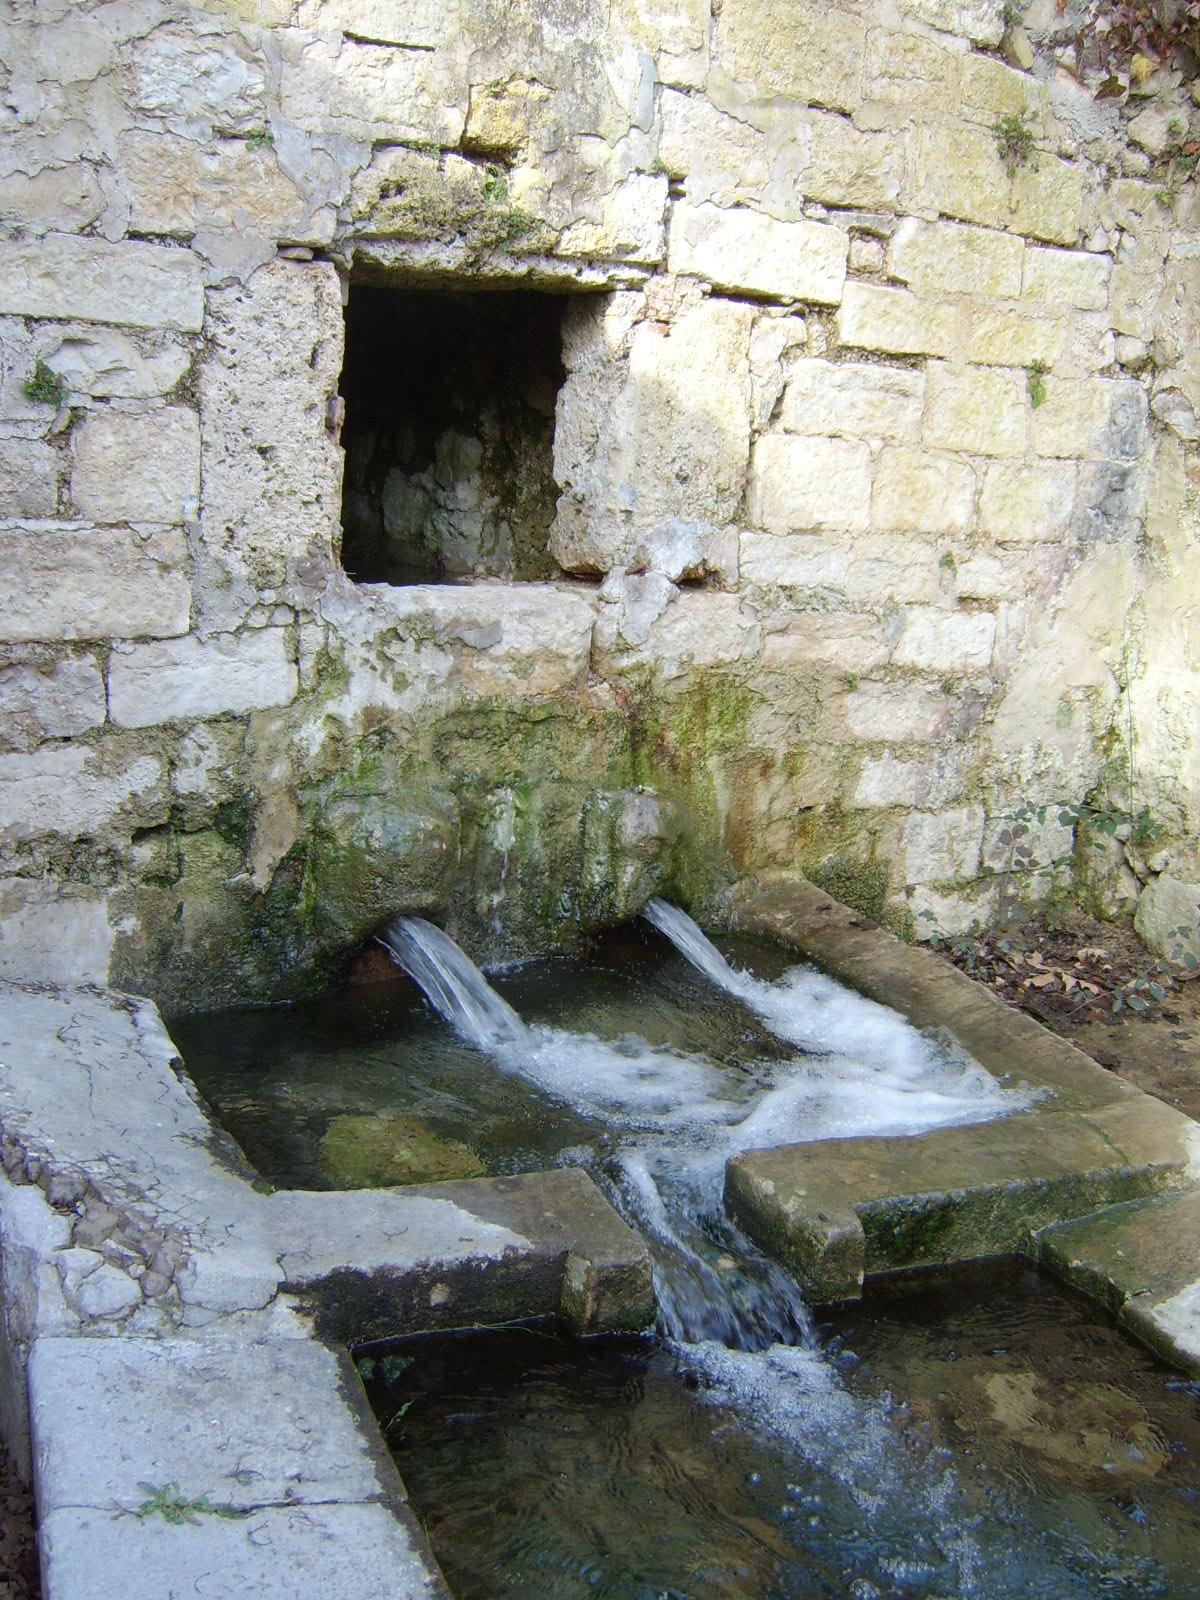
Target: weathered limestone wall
[836, 580]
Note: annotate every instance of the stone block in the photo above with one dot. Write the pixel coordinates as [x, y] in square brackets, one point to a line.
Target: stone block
[956, 170]
[808, 53]
[919, 491]
[375, 855]
[197, 82]
[1135, 288]
[1021, 500]
[934, 640]
[193, 678]
[944, 846]
[54, 199]
[897, 713]
[909, 69]
[371, 92]
[860, 570]
[663, 435]
[827, 158]
[896, 322]
[990, 90]
[843, 641]
[54, 701]
[108, 364]
[748, 252]
[1007, 337]
[853, 398]
[28, 478]
[1066, 278]
[981, 21]
[138, 466]
[271, 471]
[68, 790]
[1047, 200]
[801, 564]
[937, 257]
[420, 24]
[1168, 918]
[74, 581]
[979, 409]
[887, 780]
[132, 283]
[52, 933]
[178, 186]
[1094, 420]
[628, 224]
[722, 158]
[809, 483]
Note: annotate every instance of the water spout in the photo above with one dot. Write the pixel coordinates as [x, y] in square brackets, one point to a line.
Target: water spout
[453, 984]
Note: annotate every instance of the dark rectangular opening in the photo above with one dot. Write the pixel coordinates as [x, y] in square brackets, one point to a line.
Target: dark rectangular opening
[449, 433]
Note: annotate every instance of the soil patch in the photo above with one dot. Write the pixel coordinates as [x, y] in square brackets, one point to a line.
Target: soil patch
[19, 1578]
[1098, 985]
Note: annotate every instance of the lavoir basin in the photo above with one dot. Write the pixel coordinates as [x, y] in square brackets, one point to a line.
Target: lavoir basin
[977, 1431]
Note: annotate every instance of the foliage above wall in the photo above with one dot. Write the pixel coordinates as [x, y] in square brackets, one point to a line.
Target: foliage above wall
[1133, 38]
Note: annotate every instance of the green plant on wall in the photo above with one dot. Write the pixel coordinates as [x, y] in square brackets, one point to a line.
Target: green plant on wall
[46, 386]
[1014, 140]
[1035, 382]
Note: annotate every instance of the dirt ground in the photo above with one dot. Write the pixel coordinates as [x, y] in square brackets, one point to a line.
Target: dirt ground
[1096, 984]
[18, 1541]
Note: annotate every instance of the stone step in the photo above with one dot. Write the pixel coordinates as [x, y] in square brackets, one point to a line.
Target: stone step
[835, 1210]
[1141, 1260]
[251, 1465]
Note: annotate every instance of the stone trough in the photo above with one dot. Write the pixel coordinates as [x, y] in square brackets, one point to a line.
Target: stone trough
[172, 1330]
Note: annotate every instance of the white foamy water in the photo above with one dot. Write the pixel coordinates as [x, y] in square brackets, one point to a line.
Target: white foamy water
[677, 1116]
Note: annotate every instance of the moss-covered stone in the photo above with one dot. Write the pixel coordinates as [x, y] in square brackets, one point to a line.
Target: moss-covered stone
[389, 1147]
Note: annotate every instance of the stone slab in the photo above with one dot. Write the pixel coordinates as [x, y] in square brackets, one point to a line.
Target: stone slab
[835, 1210]
[340, 1552]
[76, 581]
[247, 1423]
[1147, 1249]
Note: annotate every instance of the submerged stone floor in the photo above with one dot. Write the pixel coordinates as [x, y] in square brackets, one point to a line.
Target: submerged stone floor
[1096, 1179]
[173, 1367]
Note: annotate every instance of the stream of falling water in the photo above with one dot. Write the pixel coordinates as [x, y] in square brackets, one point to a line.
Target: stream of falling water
[858, 1068]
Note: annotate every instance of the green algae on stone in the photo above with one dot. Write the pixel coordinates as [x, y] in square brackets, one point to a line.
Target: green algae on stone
[387, 1147]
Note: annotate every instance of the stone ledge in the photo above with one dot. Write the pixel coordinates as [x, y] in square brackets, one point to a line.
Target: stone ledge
[1092, 1148]
[1142, 1261]
[838, 1209]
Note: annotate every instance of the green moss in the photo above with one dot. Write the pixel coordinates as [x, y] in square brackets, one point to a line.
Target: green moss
[861, 885]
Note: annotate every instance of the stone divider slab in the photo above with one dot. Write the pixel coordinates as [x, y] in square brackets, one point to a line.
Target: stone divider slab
[1077, 1179]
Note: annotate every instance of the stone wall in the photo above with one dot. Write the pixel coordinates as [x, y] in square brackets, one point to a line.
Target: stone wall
[876, 457]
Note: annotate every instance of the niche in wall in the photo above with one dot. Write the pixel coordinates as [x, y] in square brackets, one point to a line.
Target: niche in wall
[449, 433]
